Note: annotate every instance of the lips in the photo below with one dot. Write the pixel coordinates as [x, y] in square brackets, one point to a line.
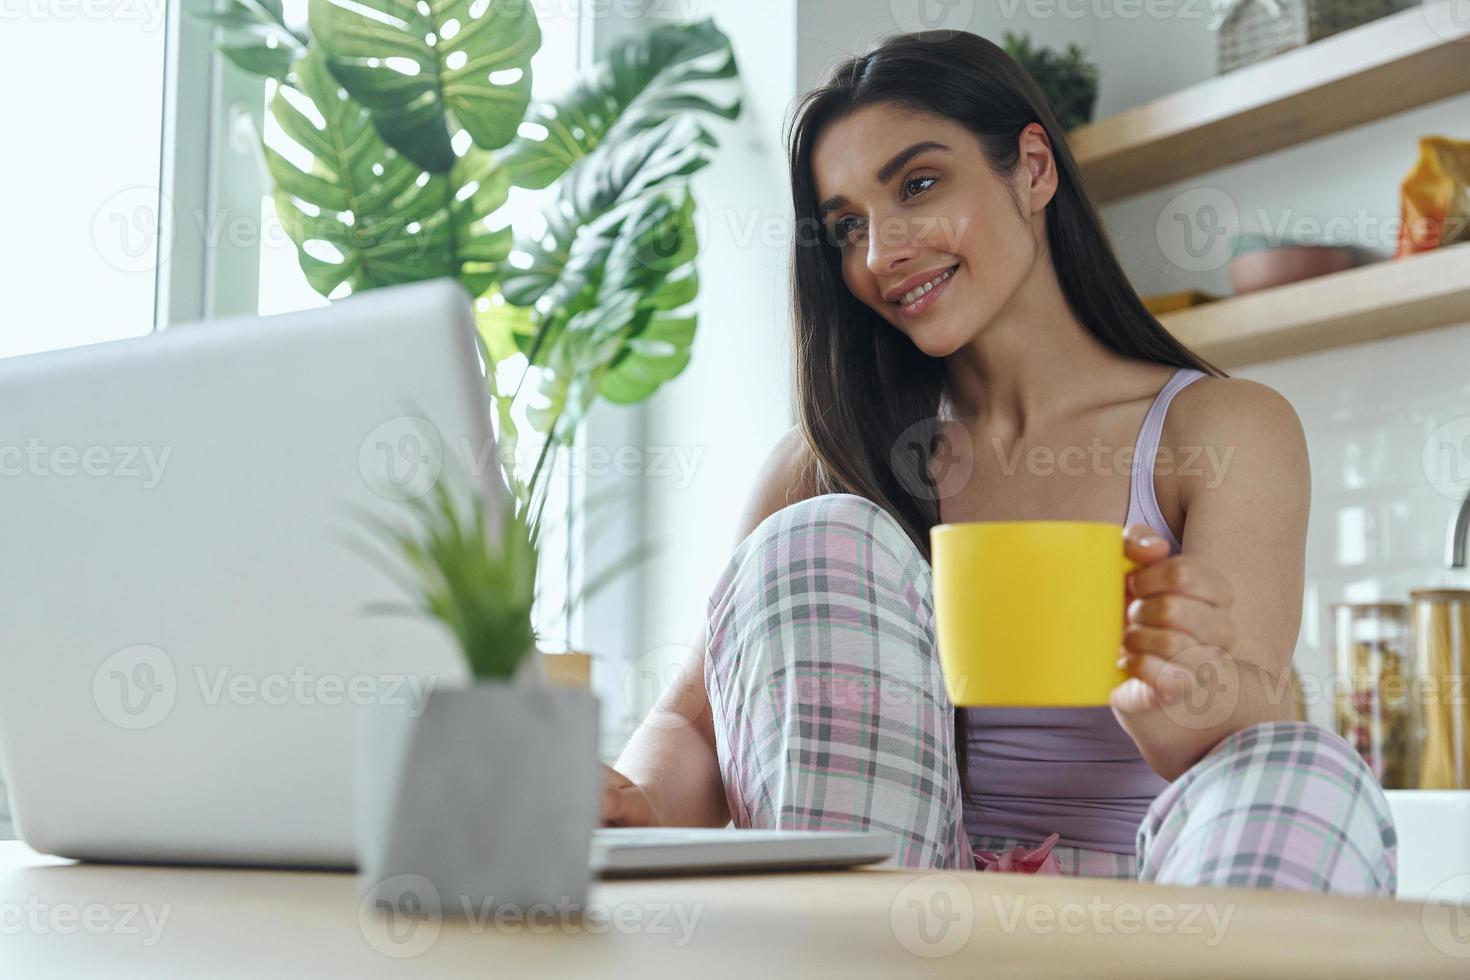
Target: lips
[917, 297]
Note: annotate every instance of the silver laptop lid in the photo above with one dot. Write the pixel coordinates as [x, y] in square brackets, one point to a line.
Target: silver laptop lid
[185, 642]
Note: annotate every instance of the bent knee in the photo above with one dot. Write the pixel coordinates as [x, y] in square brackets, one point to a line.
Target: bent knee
[840, 517]
[833, 577]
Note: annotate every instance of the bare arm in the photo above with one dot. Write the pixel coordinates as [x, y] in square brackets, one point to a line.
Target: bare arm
[1211, 631]
[667, 775]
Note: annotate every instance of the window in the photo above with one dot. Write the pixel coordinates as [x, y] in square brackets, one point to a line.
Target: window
[283, 287]
[81, 244]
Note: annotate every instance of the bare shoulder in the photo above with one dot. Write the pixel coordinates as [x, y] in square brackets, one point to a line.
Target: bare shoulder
[787, 476]
[1222, 407]
[1249, 431]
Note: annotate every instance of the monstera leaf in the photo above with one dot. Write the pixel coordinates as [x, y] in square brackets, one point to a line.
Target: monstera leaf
[255, 36]
[364, 214]
[626, 335]
[429, 68]
[400, 121]
[591, 203]
[644, 80]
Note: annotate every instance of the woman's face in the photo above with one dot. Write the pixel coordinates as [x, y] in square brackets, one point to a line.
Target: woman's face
[930, 237]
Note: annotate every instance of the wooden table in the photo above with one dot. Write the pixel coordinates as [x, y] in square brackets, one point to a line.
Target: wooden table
[61, 920]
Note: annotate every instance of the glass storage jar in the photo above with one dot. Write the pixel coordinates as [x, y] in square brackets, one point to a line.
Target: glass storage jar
[1442, 678]
[1372, 702]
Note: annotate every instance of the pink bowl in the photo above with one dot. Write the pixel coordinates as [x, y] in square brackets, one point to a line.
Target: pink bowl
[1263, 269]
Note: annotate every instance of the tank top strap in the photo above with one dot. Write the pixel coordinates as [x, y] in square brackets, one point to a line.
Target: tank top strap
[1143, 505]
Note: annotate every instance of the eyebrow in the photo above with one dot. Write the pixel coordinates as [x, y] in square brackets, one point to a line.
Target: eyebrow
[885, 173]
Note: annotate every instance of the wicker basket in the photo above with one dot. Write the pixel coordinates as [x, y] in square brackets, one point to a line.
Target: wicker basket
[1250, 33]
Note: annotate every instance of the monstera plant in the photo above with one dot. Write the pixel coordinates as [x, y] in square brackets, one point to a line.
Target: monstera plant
[409, 122]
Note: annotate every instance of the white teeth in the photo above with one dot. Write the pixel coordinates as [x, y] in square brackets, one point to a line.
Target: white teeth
[918, 291]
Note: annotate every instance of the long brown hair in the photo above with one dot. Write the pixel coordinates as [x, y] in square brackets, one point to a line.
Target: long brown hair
[867, 399]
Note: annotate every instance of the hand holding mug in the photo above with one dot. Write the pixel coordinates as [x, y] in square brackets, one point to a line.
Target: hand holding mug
[1177, 639]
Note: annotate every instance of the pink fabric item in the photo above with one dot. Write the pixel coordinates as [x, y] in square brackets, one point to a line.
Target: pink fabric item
[1018, 860]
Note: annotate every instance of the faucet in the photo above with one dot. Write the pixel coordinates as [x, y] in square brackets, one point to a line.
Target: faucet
[1458, 541]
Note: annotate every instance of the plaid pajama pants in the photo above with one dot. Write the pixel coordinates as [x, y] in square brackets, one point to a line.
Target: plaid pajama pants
[830, 713]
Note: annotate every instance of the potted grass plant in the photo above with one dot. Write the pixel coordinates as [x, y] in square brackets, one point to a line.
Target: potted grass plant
[485, 795]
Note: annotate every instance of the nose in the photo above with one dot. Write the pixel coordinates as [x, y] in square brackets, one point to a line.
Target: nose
[890, 247]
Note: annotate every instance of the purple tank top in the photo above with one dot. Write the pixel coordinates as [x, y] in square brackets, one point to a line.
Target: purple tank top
[1072, 771]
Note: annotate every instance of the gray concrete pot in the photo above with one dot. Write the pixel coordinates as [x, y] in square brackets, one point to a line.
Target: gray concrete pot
[487, 798]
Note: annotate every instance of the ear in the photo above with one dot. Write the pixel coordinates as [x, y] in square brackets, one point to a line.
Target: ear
[1038, 164]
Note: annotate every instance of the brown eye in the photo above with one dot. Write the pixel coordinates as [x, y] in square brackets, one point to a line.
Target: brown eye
[918, 185]
[844, 228]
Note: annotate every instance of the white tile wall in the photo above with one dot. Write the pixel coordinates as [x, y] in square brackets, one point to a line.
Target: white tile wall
[1378, 524]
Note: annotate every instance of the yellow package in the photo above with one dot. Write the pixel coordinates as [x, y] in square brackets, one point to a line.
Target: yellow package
[1435, 201]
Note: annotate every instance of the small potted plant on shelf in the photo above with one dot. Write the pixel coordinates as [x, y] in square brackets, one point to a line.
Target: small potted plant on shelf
[485, 795]
[1067, 78]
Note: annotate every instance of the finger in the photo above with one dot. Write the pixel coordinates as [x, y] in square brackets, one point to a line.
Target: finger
[1133, 697]
[1184, 575]
[1207, 624]
[613, 783]
[1142, 544]
[612, 804]
[1167, 643]
[625, 806]
[1167, 680]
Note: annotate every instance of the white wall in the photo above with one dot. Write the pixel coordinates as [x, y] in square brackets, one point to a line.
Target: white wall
[723, 415]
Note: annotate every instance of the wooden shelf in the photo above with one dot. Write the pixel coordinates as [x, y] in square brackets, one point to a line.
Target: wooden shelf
[1366, 73]
[1371, 302]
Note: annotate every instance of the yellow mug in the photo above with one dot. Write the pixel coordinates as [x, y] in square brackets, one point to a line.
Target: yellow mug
[1030, 613]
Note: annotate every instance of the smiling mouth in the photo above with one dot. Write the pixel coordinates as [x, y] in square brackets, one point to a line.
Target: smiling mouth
[918, 299]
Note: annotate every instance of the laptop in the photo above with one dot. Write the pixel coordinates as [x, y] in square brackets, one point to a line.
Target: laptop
[186, 641]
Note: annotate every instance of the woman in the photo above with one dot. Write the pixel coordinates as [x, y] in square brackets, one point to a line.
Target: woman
[967, 347]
